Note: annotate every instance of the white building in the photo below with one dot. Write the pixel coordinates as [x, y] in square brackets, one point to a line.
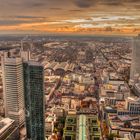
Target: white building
[133, 105]
[12, 70]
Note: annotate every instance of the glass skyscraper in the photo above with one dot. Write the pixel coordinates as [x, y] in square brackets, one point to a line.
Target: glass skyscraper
[34, 100]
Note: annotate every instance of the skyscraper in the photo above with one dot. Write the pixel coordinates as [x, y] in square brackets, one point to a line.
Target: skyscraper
[135, 67]
[12, 69]
[34, 100]
[25, 54]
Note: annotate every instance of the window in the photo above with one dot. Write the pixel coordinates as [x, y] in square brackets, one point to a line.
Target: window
[95, 129]
[69, 128]
[68, 138]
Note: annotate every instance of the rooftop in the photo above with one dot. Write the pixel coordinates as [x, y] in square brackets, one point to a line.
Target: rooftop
[4, 124]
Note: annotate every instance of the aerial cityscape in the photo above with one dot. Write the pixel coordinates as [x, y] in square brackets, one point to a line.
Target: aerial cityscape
[70, 70]
[70, 88]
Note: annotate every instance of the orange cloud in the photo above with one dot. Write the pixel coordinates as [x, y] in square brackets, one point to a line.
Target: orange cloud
[47, 27]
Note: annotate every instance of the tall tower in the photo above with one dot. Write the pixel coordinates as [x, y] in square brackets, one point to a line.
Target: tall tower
[24, 54]
[34, 100]
[135, 67]
[12, 69]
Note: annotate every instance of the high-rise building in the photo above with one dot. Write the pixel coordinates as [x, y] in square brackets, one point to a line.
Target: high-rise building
[34, 100]
[25, 55]
[135, 67]
[12, 69]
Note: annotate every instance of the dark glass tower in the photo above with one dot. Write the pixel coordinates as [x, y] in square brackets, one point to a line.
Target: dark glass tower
[34, 100]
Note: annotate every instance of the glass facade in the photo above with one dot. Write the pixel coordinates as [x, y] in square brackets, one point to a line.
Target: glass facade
[34, 101]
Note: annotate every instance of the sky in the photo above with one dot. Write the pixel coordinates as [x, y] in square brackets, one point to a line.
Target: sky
[70, 16]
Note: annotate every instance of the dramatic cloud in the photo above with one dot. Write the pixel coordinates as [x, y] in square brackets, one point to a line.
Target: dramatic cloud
[10, 22]
[29, 17]
[84, 26]
[85, 3]
[112, 2]
[70, 15]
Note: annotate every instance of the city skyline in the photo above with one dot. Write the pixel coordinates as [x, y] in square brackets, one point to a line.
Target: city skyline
[69, 88]
[69, 69]
[70, 16]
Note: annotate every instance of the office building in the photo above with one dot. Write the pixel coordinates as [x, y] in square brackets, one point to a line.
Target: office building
[34, 100]
[70, 127]
[133, 105]
[25, 55]
[135, 67]
[82, 127]
[12, 69]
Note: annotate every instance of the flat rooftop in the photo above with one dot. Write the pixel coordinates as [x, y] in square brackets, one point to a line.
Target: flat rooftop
[4, 124]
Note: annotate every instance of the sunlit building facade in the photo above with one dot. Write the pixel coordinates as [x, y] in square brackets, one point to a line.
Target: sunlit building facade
[12, 69]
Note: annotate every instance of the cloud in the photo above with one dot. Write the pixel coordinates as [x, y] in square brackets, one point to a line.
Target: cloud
[137, 6]
[113, 18]
[90, 3]
[23, 19]
[111, 2]
[10, 22]
[133, 1]
[77, 20]
[37, 4]
[85, 3]
[75, 10]
[54, 14]
[84, 26]
[54, 8]
[108, 29]
[29, 17]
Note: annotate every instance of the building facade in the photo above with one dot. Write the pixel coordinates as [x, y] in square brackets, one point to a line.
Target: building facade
[133, 105]
[135, 67]
[34, 100]
[12, 70]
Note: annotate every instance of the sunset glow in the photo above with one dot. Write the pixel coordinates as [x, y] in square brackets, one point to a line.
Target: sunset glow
[70, 16]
